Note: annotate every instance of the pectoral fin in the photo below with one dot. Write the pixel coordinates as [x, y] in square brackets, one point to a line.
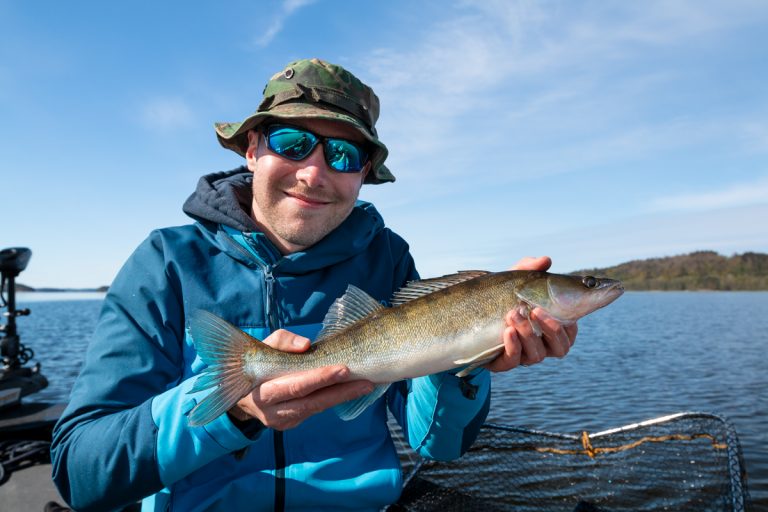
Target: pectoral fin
[353, 408]
[525, 310]
[478, 360]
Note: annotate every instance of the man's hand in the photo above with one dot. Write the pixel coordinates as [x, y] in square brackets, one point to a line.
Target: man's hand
[286, 401]
[521, 344]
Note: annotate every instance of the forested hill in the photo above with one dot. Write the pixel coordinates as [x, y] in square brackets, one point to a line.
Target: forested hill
[19, 287]
[702, 270]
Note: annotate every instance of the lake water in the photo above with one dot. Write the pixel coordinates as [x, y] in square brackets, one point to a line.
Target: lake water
[647, 355]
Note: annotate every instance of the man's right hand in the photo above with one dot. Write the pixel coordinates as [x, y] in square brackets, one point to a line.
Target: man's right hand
[284, 402]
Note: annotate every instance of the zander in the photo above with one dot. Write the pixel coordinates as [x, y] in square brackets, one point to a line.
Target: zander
[434, 325]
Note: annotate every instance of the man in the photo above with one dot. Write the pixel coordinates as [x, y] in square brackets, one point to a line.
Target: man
[275, 243]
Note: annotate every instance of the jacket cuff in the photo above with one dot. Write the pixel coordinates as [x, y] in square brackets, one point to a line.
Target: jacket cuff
[182, 449]
[439, 412]
[250, 427]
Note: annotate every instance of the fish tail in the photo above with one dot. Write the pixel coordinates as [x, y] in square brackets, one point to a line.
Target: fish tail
[221, 346]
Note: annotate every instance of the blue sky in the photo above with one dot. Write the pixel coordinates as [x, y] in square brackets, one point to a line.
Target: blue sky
[594, 132]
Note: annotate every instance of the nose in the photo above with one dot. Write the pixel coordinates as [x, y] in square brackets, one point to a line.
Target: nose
[313, 170]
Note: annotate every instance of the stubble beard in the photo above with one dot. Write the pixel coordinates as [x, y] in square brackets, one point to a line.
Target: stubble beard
[302, 228]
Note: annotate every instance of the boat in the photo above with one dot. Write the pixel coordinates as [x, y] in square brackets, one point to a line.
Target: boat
[25, 426]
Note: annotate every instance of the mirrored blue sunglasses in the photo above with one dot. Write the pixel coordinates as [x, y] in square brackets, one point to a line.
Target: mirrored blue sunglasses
[296, 143]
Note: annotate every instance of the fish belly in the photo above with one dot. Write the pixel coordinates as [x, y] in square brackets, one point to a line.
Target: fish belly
[429, 355]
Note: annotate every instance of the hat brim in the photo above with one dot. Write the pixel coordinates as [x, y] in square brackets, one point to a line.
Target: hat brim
[234, 136]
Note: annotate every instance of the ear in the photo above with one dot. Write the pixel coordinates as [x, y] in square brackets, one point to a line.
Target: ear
[368, 168]
[253, 149]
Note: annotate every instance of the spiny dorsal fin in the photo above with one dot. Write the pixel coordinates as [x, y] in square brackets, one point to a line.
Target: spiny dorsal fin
[351, 307]
[415, 289]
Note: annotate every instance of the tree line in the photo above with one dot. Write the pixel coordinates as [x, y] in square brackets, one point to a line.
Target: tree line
[700, 270]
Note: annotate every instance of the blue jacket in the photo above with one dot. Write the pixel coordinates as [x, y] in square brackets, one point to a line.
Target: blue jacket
[124, 435]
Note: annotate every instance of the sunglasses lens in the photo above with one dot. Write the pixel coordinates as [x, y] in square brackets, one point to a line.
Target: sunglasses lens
[291, 143]
[296, 144]
[344, 156]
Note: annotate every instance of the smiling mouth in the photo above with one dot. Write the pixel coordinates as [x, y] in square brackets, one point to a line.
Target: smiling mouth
[315, 201]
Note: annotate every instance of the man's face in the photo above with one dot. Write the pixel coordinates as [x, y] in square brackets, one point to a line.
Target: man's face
[299, 203]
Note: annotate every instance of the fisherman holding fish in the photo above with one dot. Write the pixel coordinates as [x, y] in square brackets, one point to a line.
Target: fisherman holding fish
[180, 406]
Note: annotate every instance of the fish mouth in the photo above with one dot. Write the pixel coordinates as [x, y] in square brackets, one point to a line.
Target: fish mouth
[609, 291]
[569, 307]
[615, 286]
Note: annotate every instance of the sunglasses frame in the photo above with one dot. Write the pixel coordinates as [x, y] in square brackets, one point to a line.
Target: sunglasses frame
[319, 139]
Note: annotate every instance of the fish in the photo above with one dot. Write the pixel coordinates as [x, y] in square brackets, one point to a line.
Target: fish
[433, 325]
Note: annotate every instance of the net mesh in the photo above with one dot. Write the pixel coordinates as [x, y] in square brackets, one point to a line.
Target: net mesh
[687, 461]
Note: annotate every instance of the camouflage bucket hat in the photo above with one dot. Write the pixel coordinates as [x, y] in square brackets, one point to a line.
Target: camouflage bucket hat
[315, 89]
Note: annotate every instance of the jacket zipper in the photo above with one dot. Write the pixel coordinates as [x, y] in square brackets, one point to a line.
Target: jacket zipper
[277, 435]
[269, 281]
[274, 324]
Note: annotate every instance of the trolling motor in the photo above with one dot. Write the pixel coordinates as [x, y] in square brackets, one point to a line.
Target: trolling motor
[16, 379]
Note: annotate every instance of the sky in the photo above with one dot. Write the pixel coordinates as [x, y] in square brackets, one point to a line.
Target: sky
[595, 132]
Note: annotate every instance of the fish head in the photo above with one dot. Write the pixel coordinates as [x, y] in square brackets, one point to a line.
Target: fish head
[568, 298]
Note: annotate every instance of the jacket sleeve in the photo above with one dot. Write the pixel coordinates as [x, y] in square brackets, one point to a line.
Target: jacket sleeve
[130, 396]
[440, 414]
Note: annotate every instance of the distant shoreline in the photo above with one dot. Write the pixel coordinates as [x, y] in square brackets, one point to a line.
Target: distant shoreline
[28, 289]
[696, 271]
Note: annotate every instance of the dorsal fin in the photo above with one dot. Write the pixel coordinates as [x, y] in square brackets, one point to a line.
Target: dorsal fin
[348, 309]
[415, 289]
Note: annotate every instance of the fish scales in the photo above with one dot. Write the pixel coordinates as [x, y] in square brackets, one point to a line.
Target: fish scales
[458, 325]
[393, 342]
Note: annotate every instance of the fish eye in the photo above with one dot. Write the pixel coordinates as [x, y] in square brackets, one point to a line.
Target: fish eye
[589, 281]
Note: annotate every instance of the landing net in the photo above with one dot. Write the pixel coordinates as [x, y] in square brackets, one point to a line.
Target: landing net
[686, 461]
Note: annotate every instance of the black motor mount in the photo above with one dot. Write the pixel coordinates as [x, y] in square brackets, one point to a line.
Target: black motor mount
[16, 379]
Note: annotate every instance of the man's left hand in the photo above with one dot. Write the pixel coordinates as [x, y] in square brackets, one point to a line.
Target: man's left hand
[521, 344]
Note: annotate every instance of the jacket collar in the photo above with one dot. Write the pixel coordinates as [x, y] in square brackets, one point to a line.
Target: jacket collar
[224, 199]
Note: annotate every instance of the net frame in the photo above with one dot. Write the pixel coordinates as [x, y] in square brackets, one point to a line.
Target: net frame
[682, 461]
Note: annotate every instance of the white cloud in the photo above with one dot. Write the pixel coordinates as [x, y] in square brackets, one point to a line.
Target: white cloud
[492, 57]
[287, 8]
[755, 192]
[164, 114]
[520, 89]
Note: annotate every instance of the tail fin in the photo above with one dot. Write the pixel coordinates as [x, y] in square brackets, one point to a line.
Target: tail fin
[221, 346]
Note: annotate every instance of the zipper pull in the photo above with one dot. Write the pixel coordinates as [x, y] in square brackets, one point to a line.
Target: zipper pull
[269, 281]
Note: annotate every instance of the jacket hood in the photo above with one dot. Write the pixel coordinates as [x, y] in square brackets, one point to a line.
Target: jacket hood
[224, 198]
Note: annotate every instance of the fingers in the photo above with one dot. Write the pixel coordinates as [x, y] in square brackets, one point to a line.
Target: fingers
[292, 412]
[510, 357]
[287, 341]
[300, 384]
[571, 330]
[554, 337]
[522, 345]
[286, 401]
[540, 263]
[534, 349]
